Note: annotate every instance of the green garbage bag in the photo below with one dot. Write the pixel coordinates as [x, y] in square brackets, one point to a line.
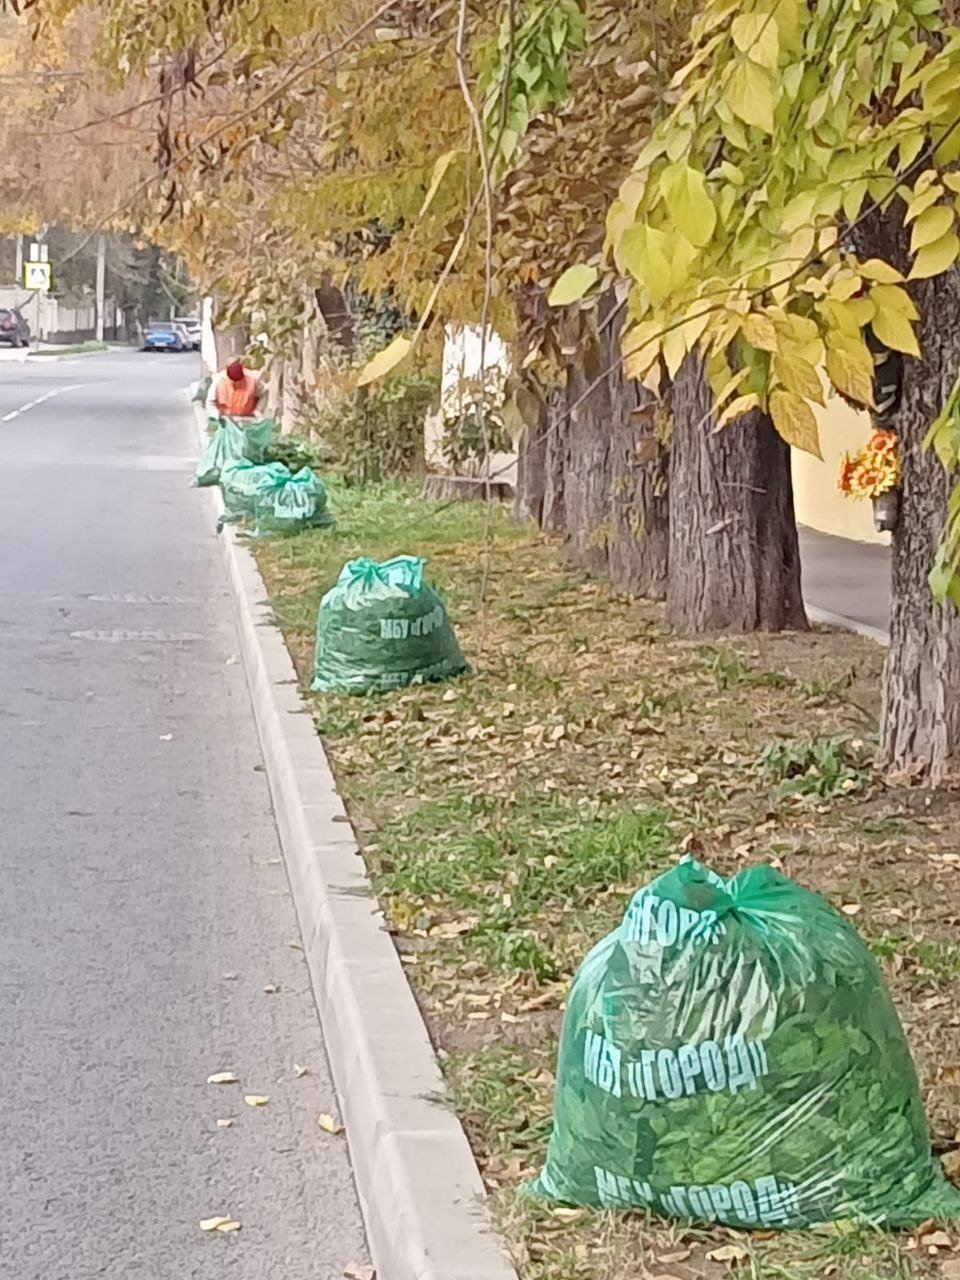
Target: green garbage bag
[382, 627]
[226, 446]
[292, 503]
[258, 436]
[241, 481]
[202, 391]
[731, 1053]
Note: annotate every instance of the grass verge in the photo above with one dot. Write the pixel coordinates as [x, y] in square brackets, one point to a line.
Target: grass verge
[507, 818]
[89, 348]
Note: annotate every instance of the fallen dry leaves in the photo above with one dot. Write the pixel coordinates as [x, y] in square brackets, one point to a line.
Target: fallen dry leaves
[223, 1225]
[357, 1271]
[492, 837]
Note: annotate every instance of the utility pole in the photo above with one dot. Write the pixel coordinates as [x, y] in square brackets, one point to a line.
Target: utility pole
[101, 283]
[18, 269]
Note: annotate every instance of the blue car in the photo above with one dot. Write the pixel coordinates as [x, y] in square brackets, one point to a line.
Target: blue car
[163, 337]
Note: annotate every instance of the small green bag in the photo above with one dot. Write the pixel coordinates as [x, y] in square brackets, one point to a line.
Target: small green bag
[226, 447]
[382, 627]
[241, 482]
[292, 503]
[731, 1054]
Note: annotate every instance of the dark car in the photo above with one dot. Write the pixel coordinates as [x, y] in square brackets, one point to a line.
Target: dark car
[163, 336]
[13, 328]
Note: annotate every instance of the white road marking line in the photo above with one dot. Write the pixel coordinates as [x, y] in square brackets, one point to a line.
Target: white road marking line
[32, 404]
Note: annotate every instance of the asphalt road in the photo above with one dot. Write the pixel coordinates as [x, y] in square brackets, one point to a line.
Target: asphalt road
[147, 936]
[847, 579]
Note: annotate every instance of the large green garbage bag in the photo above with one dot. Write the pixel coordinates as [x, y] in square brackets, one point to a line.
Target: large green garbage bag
[232, 441]
[226, 446]
[258, 436]
[292, 503]
[382, 627]
[241, 481]
[731, 1054]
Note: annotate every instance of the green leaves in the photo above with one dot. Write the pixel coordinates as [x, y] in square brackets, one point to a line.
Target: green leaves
[645, 253]
[684, 192]
[572, 285]
[757, 37]
[529, 71]
[749, 93]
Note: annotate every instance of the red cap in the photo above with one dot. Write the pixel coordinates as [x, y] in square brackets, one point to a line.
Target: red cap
[234, 371]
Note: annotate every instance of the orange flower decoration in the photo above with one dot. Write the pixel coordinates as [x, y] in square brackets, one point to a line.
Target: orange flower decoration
[883, 442]
[875, 470]
[847, 469]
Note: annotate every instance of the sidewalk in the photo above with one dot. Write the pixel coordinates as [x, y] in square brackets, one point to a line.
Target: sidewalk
[846, 583]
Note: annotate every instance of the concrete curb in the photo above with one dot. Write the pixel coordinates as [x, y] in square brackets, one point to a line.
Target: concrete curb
[419, 1187]
[828, 619]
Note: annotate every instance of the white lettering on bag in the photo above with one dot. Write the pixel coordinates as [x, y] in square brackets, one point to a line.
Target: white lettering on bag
[765, 1202]
[707, 1067]
[651, 920]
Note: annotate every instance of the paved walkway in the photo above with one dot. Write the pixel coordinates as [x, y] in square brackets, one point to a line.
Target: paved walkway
[846, 581]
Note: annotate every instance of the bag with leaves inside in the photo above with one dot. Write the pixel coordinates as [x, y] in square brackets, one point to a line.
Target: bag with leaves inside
[731, 1054]
[292, 503]
[382, 627]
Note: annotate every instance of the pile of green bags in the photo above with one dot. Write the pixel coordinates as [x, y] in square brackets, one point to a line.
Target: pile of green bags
[288, 503]
[731, 1054]
[241, 481]
[231, 442]
[382, 627]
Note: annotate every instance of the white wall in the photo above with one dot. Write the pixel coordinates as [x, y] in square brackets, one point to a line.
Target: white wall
[208, 339]
[47, 316]
[462, 360]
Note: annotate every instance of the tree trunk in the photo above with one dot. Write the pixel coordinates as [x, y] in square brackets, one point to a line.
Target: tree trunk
[531, 474]
[614, 483]
[638, 547]
[734, 556]
[920, 718]
[921, 703]
[556, 427]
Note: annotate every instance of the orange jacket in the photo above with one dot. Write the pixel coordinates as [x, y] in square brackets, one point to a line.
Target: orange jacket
[238, 399]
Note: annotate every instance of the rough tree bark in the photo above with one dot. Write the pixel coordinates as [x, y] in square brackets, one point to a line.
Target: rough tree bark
[734, 556]
[615, 510]
[921, 697]
[920, 718]
[531, 477]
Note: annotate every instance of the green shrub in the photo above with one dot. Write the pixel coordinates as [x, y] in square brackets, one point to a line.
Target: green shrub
[296, 452]
[378, 432]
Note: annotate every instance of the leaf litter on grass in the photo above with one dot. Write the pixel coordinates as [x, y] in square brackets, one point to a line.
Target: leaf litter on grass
[514, 812]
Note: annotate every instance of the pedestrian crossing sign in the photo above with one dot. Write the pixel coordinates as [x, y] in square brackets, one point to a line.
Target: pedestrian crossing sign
[37, 275]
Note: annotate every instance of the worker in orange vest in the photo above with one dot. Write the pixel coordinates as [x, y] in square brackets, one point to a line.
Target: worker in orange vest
[237, 393]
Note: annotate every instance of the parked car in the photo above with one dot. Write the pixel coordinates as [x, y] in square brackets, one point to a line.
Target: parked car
[192, 330]
[163, 335]
[14, 328]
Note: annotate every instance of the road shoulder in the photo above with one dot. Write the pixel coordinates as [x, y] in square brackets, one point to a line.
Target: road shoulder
[418, 1183]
